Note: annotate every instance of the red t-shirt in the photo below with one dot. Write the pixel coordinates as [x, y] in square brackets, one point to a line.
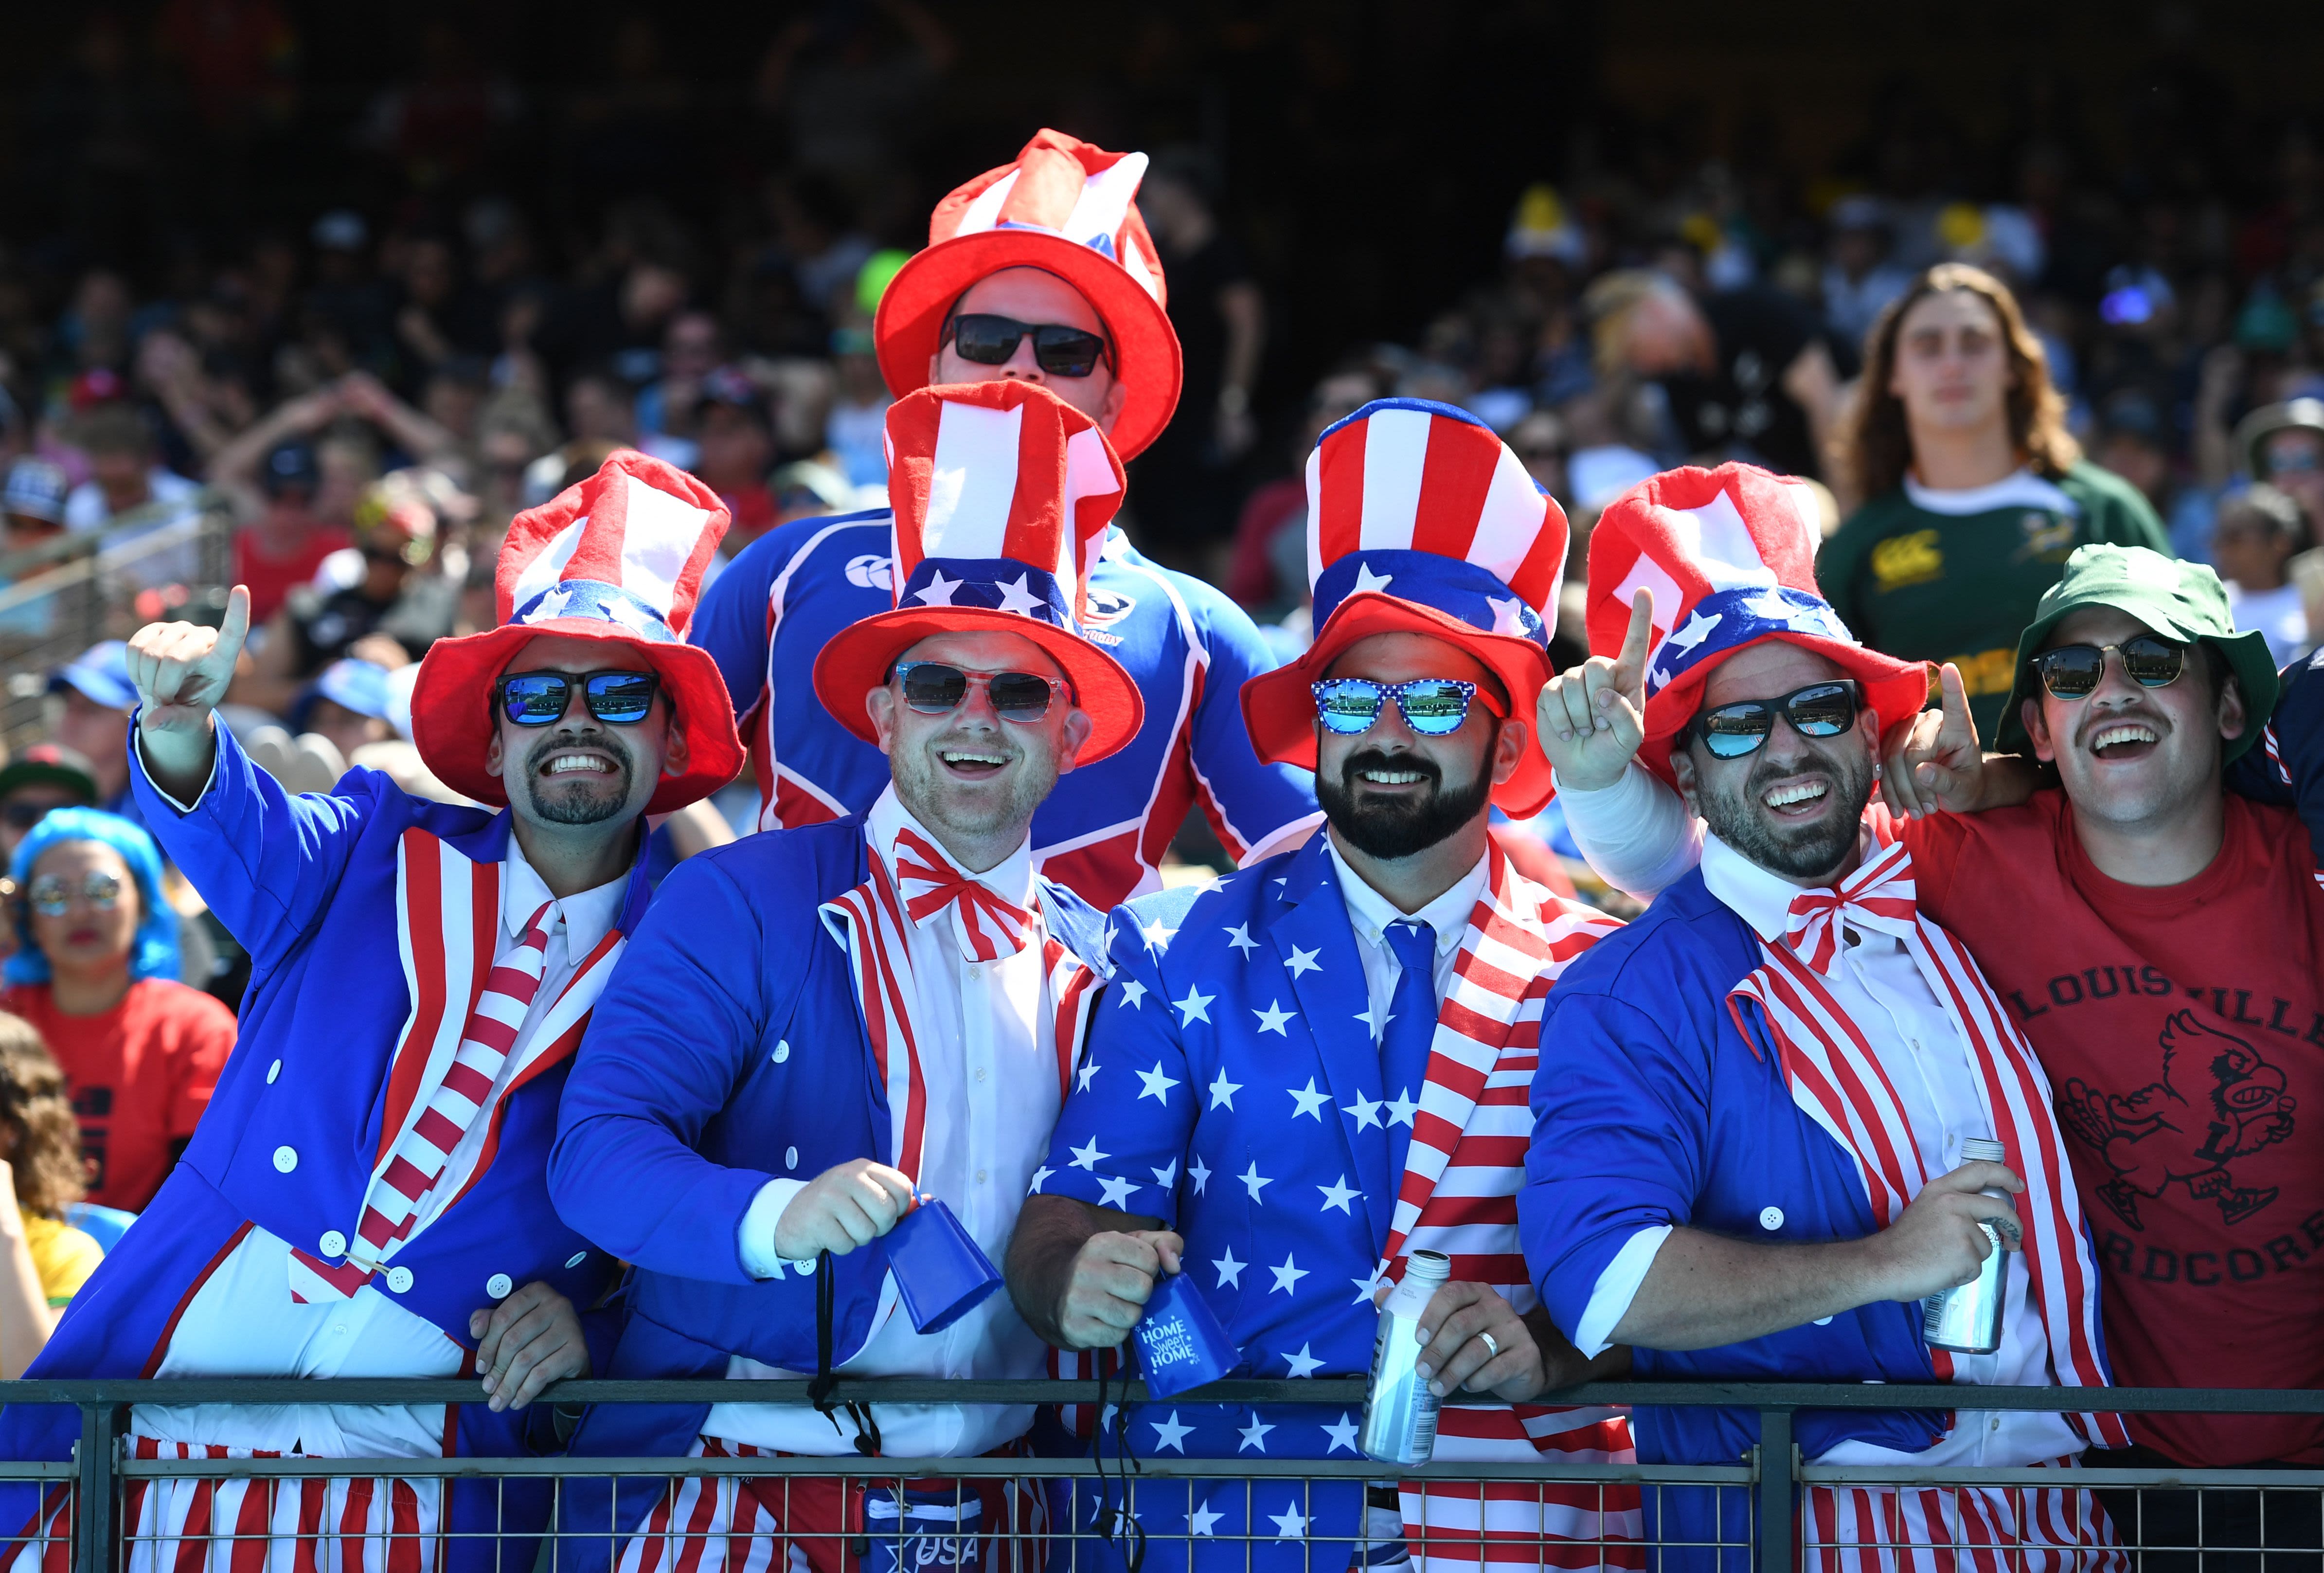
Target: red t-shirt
[140, 1076]
[2182, 1028]
[272, 578]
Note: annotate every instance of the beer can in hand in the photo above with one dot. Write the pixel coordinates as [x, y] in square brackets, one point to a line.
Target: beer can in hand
[1400, 1412]
[1966, 1319]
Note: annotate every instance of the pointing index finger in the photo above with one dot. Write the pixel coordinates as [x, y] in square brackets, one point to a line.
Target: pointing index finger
[1630, 667]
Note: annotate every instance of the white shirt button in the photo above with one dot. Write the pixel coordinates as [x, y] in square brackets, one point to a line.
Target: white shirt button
[980, 1073]
[399, 1279]
[334, 1243]
[498, 1286]
[782, 1051]
[980, 1176]
[273, 1071]
[791, 1158]
[286, 1159]
[1771, 1217]
[578, 1258]
[339, 1331]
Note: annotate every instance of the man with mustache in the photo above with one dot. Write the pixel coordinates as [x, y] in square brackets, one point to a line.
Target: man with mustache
[1303, 1074]
[367, 1193]
[821, 1025]
[1751, 1163]
[2159, 941]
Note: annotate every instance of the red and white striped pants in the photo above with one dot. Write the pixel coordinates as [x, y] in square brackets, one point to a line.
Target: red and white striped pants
[1957, 1529]
[244, 1525]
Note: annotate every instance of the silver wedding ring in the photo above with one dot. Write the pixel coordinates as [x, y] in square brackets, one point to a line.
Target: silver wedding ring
[1492, 1349]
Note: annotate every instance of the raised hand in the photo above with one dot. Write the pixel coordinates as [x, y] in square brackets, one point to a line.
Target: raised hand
[1935, 1243]
[1591, 719]
[1932, 761]
[182, 670]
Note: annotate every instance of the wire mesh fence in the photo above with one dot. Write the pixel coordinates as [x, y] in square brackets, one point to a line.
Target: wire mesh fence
[132, 1504]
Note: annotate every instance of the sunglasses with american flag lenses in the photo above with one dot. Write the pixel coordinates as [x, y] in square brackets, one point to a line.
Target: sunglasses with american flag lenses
[1433, 706]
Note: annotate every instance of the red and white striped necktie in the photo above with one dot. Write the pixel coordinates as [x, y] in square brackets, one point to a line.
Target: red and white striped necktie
[988, 926]
[393, 1204]
[1880, 895]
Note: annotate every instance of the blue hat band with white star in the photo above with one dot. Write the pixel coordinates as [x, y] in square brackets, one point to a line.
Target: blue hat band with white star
[1462, 589]
[594, 601]
[991, 583]
[1727, 620]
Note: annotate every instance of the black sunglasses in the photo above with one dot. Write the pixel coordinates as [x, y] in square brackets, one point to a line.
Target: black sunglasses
[540, 698]
[23, 815]
[2073, 671]
[1817, 710]
[933, 687]
[1059, 350]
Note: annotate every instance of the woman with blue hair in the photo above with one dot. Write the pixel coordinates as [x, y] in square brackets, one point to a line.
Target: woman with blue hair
[96, 972]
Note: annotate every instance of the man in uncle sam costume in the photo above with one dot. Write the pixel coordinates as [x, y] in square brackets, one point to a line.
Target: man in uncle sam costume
[820, 1025]
[1301, 1075]
[1751, 1162]
[367, 1195]
[1039, 271]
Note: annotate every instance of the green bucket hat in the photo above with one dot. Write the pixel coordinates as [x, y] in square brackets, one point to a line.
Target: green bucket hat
[2178, 600]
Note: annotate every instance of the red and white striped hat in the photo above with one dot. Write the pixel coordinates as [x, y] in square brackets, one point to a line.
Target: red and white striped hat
[619, 559]
[1066, 207]
[1001, 493]
[1420, 520]
[1730, 554]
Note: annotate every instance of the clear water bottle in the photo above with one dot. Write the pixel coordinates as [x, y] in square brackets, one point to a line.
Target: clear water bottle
[1400, 1412]
[1967, 1318]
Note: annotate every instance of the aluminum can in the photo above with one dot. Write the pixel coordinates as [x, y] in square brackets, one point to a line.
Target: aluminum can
[1400, 1412]
[1967, 1318]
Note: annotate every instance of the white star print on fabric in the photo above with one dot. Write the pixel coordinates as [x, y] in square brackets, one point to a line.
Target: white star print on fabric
[1157, 938]
[1133, 993]
[1201, 1520]
[1020, 599]
[1254, 1435]
[1040, 1178]
[1156, 1084]
[1342, 1435]
[1288, 1276]
[1365, 1111]
[1083, 1076]
[1510, 616]
[1303, 960]
[1303, 1363]
[1289, 1525]
[1365, 1288]
[1366, 580]
[1194, 1007]
[1309, 1101]
[939, 590]
[1222, 1091]
[1376, 1027]
[1114, 1193]
[1170, 1434]
[1199, 1173]
[1086, 1157]
[1253, 1180]
[1238, 938]
[1230, 1269]
[1339, 1195]
[1167, 1176]
[1769, 605]
[1695, 630]
[1273, 1018]
[1401, 1111]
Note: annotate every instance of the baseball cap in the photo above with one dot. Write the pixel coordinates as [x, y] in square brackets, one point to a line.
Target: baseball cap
[102, 673]
[2178, 600]
[360, 686]
[36, 488]
[291, 463]
[727, 386]
[50, 765]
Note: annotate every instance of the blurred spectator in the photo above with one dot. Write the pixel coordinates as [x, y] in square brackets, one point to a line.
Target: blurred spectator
[124, 476]
[1858, 278]
[856, 429]
[43, 1260]
[808, 487]
[598, 409]
[346, 704]
[96, 977]
[283, 547]
[95, 720]
[2284, 445]
[34, 503]
[2259, 532]
[2133, 443]
[1269, 572]
[45, 776]
[1975, 492]
[735, 427]
[1745, 372]
[692, 348]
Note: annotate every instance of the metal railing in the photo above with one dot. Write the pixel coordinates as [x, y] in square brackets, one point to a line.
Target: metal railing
[1763, 1488]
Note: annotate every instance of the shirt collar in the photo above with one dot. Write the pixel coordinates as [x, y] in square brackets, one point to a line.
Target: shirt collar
[1011, 879]
[589, 914]
[1372, 912]
[1760, 898]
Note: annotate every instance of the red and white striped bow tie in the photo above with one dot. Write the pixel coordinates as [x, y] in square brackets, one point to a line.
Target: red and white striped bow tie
[393, 1203]
[988, 926]
[1878, 896]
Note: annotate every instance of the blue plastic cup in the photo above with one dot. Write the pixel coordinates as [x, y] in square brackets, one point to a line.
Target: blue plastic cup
[1180, 1344]
[940, 1272]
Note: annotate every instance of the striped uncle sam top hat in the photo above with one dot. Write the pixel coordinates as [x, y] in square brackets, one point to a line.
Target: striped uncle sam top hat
[1729, 555]
[1067, 208]
[1420, 520]
[619, 559]
[1001, 493]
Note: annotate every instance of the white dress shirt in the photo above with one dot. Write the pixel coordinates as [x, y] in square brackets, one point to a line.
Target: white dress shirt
[1880, 988]
[993, 1098]
[1370, 913]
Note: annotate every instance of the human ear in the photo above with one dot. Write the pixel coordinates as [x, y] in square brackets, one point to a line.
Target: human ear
[2234, 718]
[493, 758]
[2037, 726]
[1510, 748]
[880, 706]
[1683, 772]
[1071, 737]
[675, 751]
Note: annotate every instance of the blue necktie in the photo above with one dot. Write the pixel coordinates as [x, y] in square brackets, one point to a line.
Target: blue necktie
[1411, 1028]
